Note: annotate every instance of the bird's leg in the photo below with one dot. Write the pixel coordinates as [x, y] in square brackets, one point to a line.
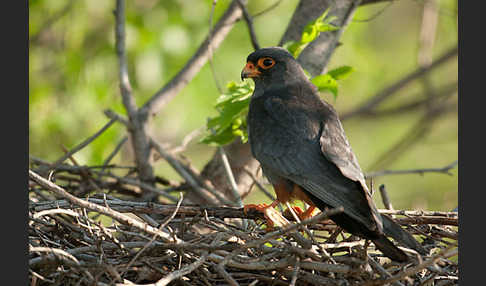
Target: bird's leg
[308, 213]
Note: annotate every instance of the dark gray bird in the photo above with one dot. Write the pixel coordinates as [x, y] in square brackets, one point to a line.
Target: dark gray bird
[300, 143]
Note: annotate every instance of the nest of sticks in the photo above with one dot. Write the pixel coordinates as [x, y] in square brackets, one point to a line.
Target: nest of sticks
[88, 228]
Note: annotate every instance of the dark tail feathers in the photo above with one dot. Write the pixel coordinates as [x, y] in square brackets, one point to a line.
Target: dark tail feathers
[391, 228]
[389, 249]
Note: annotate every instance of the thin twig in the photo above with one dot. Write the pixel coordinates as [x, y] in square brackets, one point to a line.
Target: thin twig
[86, 204]
[161, 227]
[384, 197]
[81, 145]
[197, 61]
[179, 168]
[442, 170]
[393, 88]
[231, 178]
[446, 253]
[249, 23]
[115, 151]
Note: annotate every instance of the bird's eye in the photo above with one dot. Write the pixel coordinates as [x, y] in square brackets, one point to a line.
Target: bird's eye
[266, 63]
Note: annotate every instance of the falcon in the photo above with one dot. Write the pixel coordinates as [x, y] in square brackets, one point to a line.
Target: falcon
[300, 143]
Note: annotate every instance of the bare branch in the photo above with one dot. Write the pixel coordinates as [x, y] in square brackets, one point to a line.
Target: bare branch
[393, 88]
[172, 88]
[385, 198]
[80, 146]
[138, 120]
[109, 212]
[443, 170]
[249, 22]
[124, 80]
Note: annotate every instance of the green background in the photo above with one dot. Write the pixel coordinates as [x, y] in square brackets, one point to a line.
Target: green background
[73, 78]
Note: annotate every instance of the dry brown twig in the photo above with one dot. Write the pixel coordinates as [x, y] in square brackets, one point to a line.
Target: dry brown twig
[222, 253]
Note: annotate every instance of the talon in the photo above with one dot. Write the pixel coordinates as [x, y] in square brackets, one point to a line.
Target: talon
[264, 208]
[258, 207]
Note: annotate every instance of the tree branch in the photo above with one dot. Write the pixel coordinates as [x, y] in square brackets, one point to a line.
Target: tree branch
[443, 170]
[192, 67]
[374, 101]
[137, 120]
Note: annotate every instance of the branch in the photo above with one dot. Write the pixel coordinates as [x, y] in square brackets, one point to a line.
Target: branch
[392, 89]
[81, 145]
[443, 170]
[137, 120]
[446, 253]
[249, 22]
[124, 80]
[192, 67]
[315, 57]
[104, 210]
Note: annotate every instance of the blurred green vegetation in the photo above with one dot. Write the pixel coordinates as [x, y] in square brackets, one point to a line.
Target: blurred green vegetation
[73, 78]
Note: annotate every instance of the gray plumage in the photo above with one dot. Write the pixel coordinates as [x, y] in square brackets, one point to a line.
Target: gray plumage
[298, 139]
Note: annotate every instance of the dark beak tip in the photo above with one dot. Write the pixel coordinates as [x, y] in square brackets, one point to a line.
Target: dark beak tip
[244, 75]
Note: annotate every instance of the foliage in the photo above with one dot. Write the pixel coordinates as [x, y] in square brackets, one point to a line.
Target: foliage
[311, 32]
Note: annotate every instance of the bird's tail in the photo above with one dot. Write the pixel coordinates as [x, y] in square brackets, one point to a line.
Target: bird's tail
[389, 249]
[391, 228]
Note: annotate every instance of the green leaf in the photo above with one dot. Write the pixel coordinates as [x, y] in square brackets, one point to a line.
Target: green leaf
[341, 72]
[325, 82]
[223, 137]
[230, 123]
[311, 32]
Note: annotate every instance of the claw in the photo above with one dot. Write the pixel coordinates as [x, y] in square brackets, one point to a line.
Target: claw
[272, 216]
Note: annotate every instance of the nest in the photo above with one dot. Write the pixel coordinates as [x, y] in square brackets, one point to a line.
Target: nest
[114, 239]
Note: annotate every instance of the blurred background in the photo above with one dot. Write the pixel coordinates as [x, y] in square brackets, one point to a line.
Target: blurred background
[73, 77]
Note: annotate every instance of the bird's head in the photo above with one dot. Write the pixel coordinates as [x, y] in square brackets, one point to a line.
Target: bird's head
[272, 65]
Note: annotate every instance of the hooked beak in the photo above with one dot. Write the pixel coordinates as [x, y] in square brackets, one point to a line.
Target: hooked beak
[250, 71]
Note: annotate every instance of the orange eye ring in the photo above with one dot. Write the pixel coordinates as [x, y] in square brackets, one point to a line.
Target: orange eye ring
[266, 63]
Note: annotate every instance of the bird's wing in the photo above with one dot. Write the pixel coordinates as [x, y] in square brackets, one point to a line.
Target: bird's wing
[327, 169]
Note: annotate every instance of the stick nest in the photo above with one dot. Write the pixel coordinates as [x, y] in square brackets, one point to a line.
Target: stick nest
[88, 228]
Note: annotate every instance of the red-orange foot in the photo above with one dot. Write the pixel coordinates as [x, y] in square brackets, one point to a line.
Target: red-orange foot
[262, 208]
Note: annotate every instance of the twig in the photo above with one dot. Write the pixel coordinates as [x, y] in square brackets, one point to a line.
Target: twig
[86, 204]
[170, 90]
[260, 186]
[280, 232]
[268, 9]
[249, 23]
[416, 132]
[81, 145]
[295, 272]
[384, 197]
[443, 170]
[124, 80]
[392, 89]
[137, 118]
[54, 251]
[231, 178]
[449, 252]
[161, 227]
[178, 167]
[115, 151]
[231, 281]
[377, 266]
